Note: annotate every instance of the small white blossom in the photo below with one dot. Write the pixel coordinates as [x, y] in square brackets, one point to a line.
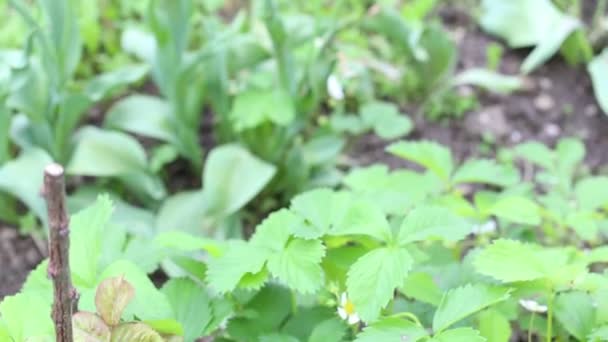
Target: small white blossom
[532, 306]
[488, 227]
[334, 88]
[346, 310]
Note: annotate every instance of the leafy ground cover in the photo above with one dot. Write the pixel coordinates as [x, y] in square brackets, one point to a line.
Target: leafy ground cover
[259, 171]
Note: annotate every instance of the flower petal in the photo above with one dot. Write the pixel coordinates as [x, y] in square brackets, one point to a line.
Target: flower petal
[342, 313]
[353, 319]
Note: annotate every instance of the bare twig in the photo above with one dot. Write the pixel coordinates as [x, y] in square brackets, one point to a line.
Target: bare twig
[59, 244]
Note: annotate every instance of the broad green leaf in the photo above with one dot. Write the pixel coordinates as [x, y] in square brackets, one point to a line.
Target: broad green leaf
[332, 329]
[517, 209]
[550, 44]
[489, 80]
[536, 153]
[26, 315]
[22, 178]
[385, 118]
[232, 177]
[370, 287]
[486, 172]
[30, 94]
[181, 241]
[149, 303]
[142, 114]
[421, 286]
[139, 43]
[458, 335]
[392, 329]
[599, 334]
[431, 155]
[432, 222]
[512, 261]
[225, 272]
[575, 311]
[274, 232]
[136, 332]
[584, 224]
[464, 301]
[570, 153]
[299, 265]
[278, 338]
[592, 192]
[191, 306]
[305, 319]
[105, 84]
[112, 297]
[494, 326]
[354, 216]
[184, 211]
[598, 69]
[316, 207]
[86, 234]
[88, 327]
[255, 107]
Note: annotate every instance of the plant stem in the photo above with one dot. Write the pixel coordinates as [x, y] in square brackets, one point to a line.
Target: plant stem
[530, 327]
[59, 244]
[550, 317]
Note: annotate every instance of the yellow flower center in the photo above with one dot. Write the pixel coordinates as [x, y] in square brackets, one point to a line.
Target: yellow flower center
[349, 307]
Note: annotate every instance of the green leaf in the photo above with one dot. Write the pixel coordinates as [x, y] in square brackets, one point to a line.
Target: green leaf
[370, 287]
[517, 209]
[112, 297]
[274, 232]
[232, 177]
[599, 334]
[550, 44]
[225, 272]
[421, 286]
[432, 222]
[136, 332]
[88, 327]
[570, 153]
[385, 118]
[486, 172]
[142, 114]
[458, 335]
[275, 337]
[181, 241]
[316, 207]
[598, 69]
[105, 84]
[536, 153]
[332, 329]
[494, 326]
[86, 234]
[22, 178]
[592, 192]
[432, 156]
[299, 265]
[489, 80]
[184, 211]
[464, 301]
[575, 311]
[511, 261]
[255, 107]
[149, 303]
[26, 315]
[191, 306]
[392, 329]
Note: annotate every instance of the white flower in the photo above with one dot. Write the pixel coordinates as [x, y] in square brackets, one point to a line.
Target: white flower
[488, 227]
[532, 306]
[346, 310]
[334, 88]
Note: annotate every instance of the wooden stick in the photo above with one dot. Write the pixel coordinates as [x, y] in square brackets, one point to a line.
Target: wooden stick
[59, 246]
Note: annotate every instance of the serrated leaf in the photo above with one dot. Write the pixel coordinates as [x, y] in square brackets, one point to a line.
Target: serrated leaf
[486, 172]
[575, 311]
[88, 327]
[385, 118]
[511, 261]
[299, 265]
[517, 209]
[240, 258]
[316, 208]
[253, 108]
[431, 155]
[142, 114]
[392, 329]
[458, 335]
[421, 286]
[536, 153]
[598, 69]
[112, 297]
[26, 315]
[274, 232]
[432, 222]
[464, 301]
[191, 305]
[86, 230]
[494, 326]
[135, 332]
[232, 177]
[592, 192]
[371, 287]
